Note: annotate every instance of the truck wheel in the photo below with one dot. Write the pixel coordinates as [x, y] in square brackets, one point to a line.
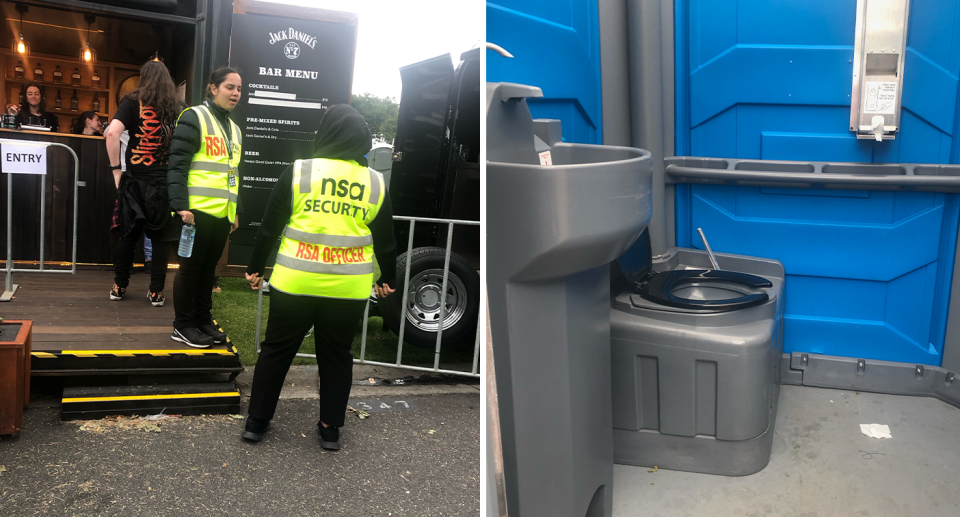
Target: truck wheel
[421, 309]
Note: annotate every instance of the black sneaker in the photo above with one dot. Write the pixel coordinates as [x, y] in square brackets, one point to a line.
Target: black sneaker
[329, 437]
[117, 292]
[255, 429]
[191, 336]
[213, 330]
[156, 298]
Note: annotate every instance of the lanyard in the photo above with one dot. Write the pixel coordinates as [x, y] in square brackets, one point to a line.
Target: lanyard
[228, 136]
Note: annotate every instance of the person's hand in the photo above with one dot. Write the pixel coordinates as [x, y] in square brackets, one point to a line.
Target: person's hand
[255, 280]
[13, 109]
[383, 291]
[187, 216]
[236, 223]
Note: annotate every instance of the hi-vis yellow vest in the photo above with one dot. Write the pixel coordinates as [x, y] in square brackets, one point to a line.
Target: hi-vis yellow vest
[327, 248]
[209, 183]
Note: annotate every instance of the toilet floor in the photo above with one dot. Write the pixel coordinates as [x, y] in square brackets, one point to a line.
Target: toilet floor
[822, 465]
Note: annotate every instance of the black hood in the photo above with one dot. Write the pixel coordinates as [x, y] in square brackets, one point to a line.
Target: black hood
[343, 135]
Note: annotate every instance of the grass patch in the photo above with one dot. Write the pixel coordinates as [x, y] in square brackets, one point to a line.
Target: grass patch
[235, 308]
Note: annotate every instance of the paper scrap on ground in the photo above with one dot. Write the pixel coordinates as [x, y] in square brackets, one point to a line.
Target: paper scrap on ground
[875, 430]
[360, 413]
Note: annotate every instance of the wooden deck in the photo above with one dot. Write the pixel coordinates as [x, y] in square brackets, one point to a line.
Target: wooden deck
[79, 330]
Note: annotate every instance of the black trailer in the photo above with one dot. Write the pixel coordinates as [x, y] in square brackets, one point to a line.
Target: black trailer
[436, 174]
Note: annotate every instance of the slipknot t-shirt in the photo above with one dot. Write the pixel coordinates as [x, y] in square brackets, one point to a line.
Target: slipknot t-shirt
[149, 148]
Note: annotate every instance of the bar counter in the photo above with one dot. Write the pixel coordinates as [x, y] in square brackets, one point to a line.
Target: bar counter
[96, 197]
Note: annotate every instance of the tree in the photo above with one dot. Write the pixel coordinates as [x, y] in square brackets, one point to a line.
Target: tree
[381, 114]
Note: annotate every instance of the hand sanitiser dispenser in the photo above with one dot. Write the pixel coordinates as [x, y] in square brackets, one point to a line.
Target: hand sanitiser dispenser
[878, 55]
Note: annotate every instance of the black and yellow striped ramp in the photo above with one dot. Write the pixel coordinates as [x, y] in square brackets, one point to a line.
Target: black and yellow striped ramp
[171, 359]
[214, 398]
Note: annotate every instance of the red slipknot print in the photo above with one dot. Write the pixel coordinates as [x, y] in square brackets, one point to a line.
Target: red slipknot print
[152, 146]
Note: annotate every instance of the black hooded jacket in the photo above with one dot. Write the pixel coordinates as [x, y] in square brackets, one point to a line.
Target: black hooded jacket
[183, 146]
[343, 135]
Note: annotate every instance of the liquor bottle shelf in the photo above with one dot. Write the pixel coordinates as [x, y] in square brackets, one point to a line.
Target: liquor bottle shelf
[63, 86]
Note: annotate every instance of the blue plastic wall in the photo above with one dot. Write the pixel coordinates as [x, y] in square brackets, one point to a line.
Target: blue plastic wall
[556, 46]
[868, 273]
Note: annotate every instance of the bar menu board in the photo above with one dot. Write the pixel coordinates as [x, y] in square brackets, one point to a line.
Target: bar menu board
[292, 71]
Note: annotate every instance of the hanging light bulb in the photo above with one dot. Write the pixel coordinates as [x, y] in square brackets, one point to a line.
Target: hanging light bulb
[87, 53]
[20, 45]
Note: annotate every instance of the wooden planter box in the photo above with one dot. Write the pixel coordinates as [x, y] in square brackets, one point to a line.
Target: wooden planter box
[14, 374]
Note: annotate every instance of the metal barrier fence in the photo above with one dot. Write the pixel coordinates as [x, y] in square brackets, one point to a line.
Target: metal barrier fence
[9, 287]
[403, 323]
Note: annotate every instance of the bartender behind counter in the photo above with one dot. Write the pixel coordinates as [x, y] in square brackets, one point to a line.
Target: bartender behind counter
[33, 113]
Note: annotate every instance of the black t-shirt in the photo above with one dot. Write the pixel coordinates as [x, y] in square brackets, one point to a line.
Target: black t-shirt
[45, 119]
[149, 146]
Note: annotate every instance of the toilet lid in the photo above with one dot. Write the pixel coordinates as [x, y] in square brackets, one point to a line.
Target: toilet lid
[705, 289]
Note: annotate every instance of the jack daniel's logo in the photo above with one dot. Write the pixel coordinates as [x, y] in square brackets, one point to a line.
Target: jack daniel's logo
[293, 34]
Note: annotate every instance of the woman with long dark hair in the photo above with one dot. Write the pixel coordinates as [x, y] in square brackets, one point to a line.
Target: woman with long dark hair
[33, 111]
[204, 191]
[147, 115]
[88, 123]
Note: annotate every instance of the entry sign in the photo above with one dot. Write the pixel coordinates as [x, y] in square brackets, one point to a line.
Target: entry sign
[23, 157]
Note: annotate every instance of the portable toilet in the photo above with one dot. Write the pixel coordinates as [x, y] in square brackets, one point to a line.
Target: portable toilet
[380, 159]
[819, 134]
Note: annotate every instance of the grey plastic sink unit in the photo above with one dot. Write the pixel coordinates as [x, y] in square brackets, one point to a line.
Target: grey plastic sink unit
[573, 216]
[551, 232]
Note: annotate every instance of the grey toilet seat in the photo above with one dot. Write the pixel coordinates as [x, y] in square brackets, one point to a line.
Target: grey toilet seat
[661, 288]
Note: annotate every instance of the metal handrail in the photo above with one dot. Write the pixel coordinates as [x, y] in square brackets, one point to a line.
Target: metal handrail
[9, 269]
[406, 283]
[865, 176]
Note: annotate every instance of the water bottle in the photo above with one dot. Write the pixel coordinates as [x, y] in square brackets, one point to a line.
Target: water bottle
[186, 240]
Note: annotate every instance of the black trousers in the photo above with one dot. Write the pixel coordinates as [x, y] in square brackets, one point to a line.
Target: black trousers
[193, 285]
[335, 325]
[123, 261]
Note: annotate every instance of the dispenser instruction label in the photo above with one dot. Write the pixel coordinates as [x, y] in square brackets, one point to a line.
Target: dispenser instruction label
[545, 158]
[880, 97]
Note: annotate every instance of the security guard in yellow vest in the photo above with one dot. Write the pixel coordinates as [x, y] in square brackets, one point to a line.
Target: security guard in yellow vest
[330, 254]
[204, 186]
[334, 215]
